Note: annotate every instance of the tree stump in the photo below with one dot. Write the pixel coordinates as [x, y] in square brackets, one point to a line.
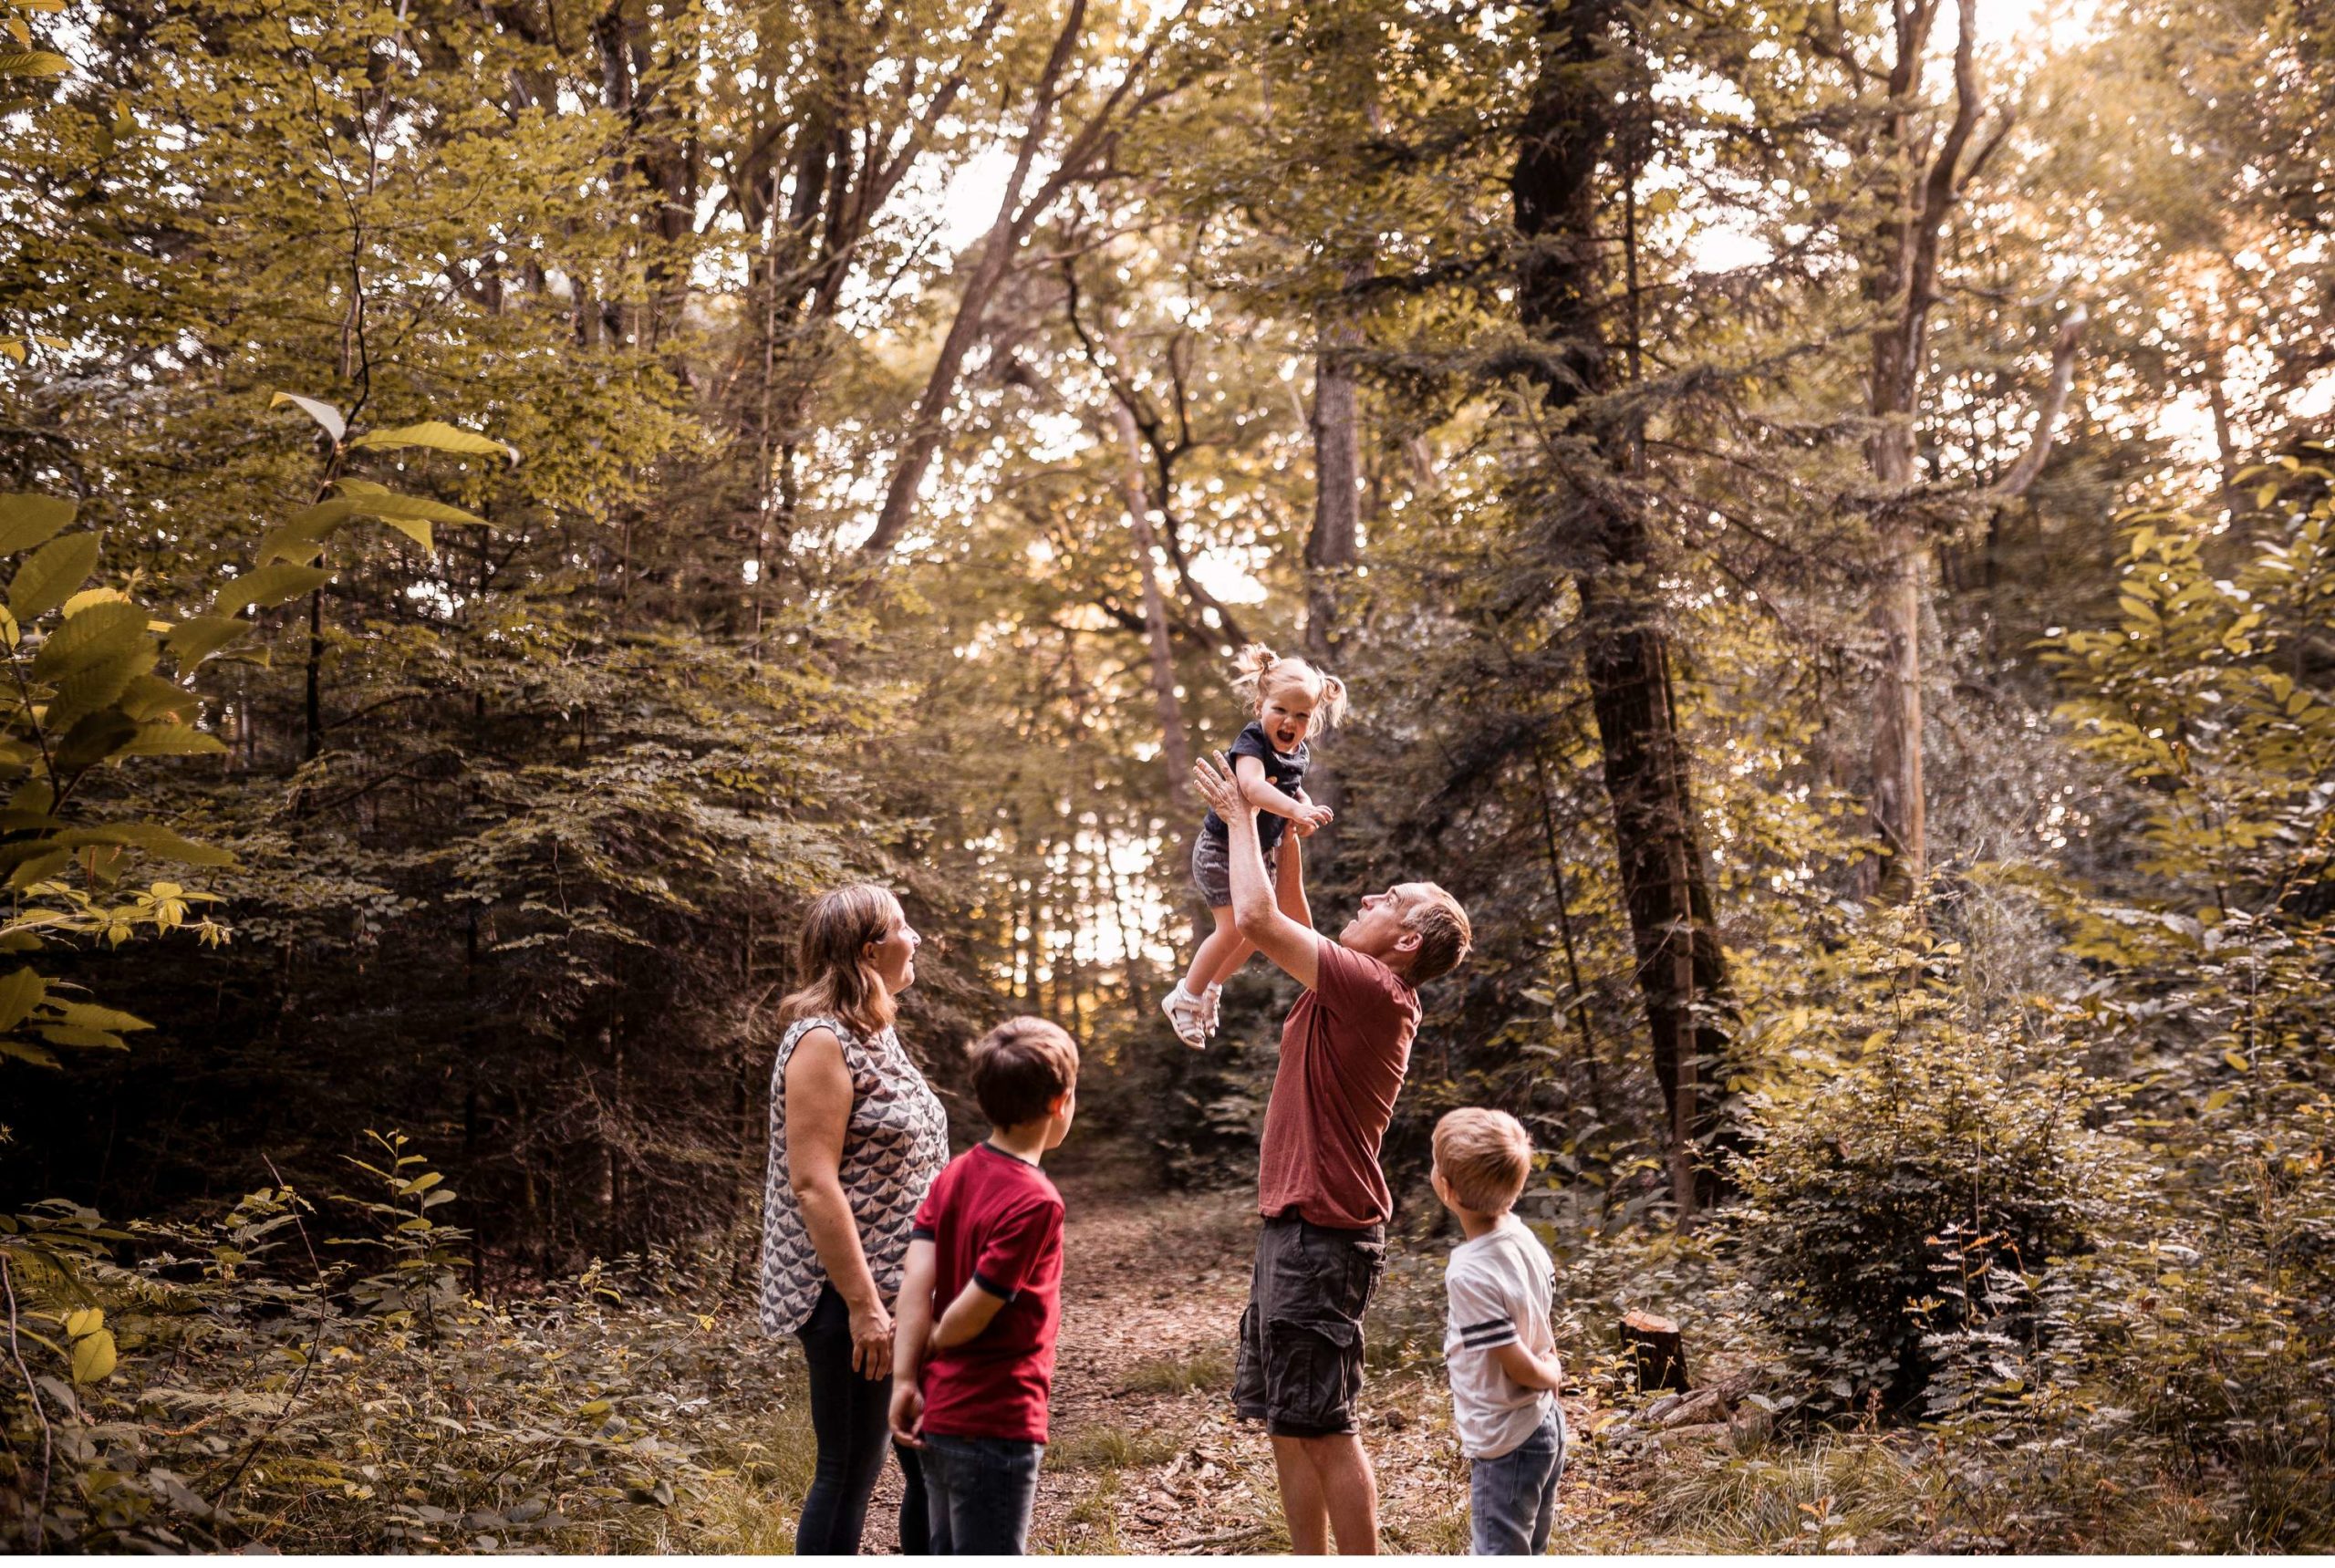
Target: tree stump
[1657, 1352]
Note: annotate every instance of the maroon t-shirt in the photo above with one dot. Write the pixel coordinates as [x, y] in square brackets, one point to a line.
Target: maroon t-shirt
[1342, 1055]
[994, 1221]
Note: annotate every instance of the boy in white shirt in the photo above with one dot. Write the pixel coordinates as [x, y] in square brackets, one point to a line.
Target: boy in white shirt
[1496, 1343]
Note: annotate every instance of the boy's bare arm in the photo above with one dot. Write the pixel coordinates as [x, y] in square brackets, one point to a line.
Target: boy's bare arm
[1523, 1366]
[973, 1310]
[911, 1327]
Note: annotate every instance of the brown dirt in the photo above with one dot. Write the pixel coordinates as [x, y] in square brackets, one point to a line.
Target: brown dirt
[1147, 1457]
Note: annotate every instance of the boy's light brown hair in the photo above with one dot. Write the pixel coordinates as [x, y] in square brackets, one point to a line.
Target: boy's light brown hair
[1484, 1157]
[1019, 1068]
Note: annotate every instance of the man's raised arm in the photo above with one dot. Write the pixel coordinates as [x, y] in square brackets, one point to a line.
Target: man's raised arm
[1287, 942]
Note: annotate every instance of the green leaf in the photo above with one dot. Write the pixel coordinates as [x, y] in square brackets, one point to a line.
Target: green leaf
[33, 63]
[152, 837]
[438, 435]
[150, 697]
[377, 501]
[25, 1052]
[29, 520]
[197, 640]
[51, 574]
[88, 1320]
[20, 993]
[325, 414]
[95, 738]
[39, 867]
[165, 739]
[88, 1015]
[2236, 1062]
[95, 685]
[271, 586]
[99, 632]
[93, 1357]
[84, 1039]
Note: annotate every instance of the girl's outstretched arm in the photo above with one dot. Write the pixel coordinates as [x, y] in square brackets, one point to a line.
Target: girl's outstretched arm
[1260, 793]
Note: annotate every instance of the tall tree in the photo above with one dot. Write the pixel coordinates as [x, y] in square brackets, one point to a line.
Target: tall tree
[1570, 129]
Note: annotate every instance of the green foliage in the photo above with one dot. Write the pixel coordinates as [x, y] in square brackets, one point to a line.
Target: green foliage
[1886, 1208]
[249, 1382]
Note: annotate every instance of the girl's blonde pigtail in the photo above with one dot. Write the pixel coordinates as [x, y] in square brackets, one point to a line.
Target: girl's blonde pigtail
[1252, 663]
[1333, 701]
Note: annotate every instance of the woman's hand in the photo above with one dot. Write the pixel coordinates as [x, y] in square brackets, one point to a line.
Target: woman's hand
[871, 1341]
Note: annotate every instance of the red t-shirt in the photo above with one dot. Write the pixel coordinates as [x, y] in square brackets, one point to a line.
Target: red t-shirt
[1342, 1055]
[994, 1221]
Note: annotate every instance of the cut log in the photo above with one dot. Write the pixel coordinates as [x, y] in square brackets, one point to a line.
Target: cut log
[1657, 1352]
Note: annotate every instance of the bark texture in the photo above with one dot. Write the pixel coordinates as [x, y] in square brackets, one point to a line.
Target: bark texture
[1562, 294]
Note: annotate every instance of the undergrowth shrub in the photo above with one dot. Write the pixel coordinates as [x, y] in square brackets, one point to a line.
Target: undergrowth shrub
[312, 1377]
[1900, 1209]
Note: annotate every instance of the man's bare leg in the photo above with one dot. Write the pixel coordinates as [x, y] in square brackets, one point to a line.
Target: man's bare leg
[1327, 1490]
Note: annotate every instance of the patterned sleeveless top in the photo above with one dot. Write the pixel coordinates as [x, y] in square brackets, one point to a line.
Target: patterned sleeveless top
[896, 1143]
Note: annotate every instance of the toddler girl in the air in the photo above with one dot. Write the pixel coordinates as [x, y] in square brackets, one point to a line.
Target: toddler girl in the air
[1289, 700]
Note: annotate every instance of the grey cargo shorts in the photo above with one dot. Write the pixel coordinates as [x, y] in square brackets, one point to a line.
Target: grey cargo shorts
[1300, 1366]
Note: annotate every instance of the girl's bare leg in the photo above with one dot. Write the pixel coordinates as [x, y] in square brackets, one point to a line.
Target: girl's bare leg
[1242, 950]
[1221, 944]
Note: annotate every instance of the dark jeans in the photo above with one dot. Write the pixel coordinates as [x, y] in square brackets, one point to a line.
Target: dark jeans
[983, 1490]
[1512, 1498]
[851, 1419]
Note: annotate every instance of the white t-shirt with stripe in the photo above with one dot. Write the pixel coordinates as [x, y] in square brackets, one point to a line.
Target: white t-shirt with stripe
[1498, 1288]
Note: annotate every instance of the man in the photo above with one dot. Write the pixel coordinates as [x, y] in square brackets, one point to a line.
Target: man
[1344, 1051]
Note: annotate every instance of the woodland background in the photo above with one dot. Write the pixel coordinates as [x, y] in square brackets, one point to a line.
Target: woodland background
[1821, 507]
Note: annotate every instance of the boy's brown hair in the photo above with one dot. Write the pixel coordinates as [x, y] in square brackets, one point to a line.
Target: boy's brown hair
[1019, 1068]
[1484, 1157]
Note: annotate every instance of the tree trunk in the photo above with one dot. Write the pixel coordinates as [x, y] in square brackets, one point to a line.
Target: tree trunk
[1334, 546]
[1173, 747]
[1900, 280]
[1568, 131]
[998, 251]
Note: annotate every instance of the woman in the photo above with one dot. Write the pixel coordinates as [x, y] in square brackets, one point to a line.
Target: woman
[856, 1136]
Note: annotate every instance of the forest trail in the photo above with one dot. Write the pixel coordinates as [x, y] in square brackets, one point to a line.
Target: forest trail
[1145, 1456]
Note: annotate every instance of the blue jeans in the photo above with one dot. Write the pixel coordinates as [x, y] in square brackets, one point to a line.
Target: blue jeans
[979, 1491]
[1511, 1499]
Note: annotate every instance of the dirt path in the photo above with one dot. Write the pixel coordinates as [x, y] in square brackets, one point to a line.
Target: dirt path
[1146, 1457]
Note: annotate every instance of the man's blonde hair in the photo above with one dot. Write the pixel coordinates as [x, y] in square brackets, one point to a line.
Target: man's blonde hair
[1445, 936]
[1484, 1156]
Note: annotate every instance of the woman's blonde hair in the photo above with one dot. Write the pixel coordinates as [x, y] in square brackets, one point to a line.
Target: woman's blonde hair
[1264, 673]
[831, 960]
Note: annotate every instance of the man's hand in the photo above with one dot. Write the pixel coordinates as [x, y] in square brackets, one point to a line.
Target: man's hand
[1216, 787]
[907, 1416]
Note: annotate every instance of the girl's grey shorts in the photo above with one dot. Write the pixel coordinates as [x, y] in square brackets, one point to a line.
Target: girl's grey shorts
[1213, 868]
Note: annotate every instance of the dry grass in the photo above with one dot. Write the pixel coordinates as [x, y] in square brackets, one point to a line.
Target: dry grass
[1203, 1369]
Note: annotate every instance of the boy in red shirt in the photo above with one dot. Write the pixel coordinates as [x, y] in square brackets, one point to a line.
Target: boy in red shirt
[969, 1391]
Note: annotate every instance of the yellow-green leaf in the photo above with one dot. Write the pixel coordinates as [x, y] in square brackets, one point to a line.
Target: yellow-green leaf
[164, 739]
[20, 993]
[197, 640]
[271, 586]
[29, 520]
[440, 436]
[51, 572]
[93, 1357]
[33, 63]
